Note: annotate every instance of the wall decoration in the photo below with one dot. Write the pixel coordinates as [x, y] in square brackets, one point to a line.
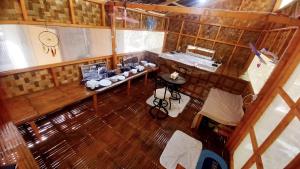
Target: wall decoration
[49, 41]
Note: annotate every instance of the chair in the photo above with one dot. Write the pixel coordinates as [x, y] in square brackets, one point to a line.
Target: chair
[162, 99]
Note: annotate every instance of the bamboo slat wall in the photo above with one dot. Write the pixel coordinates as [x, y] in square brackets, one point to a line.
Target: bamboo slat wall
[78, 13]
[43, 77]
[29, 80]
[229, 37]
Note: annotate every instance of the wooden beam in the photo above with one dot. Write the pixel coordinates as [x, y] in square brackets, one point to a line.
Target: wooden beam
[258, 16]
[113, 38]
[72, 14]
[179, 36]
[103, 16]
[23, 9]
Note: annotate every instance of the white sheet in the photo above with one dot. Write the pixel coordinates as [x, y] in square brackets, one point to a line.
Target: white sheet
[190, 60]
[181, 149]
[223, 107]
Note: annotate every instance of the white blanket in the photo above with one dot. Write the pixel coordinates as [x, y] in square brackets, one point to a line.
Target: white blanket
[223, 107]
[181, 149]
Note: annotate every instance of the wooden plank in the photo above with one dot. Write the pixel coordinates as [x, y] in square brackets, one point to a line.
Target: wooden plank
[258, 159]
[24, 10]
[95, 103]
[51, 24]
[141, 21]
[276, 5]
[179, 37]
[294, 164]
[286, 97]
[72, 14]
[35, 130]
[54, 77]
[113, 39]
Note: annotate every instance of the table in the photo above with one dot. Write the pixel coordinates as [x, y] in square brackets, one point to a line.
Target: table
[173, 85]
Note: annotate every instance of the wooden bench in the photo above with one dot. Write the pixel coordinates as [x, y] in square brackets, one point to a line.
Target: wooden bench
[28, 108]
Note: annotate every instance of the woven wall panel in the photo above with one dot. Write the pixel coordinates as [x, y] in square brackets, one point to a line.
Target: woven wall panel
[185, 41]
[133, 15]
[119, 22]
[68, 73]
[87, 13]
[160, 23]
[171, 42]
[230, 5]
[223, 52]
[189, 17]
[249, 36]
[199, 82]
[175, 25]
[10, 10]
[249, 23]
[50, 10]
[190, 28]
[204, 43]
[240, 57]
[24, 83]
[208, 31]
[229, 35]
[217, 20]
[258, 5]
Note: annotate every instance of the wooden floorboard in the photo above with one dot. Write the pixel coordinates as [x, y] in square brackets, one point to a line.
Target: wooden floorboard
[123, 135]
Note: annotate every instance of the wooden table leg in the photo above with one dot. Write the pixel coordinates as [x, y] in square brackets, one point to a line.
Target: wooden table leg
[95, 103]
[128, 87]
[146, 78]
[35, 130]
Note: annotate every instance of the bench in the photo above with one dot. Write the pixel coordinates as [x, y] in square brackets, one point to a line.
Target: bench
[28, 108]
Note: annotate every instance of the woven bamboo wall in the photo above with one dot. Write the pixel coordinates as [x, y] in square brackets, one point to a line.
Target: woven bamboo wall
[200, 82]
[51, 10]
[227, 36]
[10, 10]
[16, 84]
[87, 13]
[54, 11]
[141, 17]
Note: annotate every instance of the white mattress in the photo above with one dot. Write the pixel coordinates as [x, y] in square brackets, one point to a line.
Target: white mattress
[181, 149]
[223, 107]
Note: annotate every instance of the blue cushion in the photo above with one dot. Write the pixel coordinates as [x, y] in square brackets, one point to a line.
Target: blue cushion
[209, 159]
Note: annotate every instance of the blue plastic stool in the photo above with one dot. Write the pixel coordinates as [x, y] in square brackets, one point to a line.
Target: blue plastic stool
[210, 160]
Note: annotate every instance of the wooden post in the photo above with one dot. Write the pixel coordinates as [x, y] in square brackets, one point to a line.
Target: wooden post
[54, 77]
[128, 87]
[146, 79]
[23, 9]
[95, 103]
[113, 38]
[103, 14]
[35, 130]
[72, 14]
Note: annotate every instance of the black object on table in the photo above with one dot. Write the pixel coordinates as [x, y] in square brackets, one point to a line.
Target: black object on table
[173, 85]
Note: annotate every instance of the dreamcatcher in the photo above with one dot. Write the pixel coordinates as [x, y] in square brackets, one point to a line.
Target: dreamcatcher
[49, 41]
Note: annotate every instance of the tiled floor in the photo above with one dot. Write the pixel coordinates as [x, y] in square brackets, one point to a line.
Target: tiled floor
[123, 135]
